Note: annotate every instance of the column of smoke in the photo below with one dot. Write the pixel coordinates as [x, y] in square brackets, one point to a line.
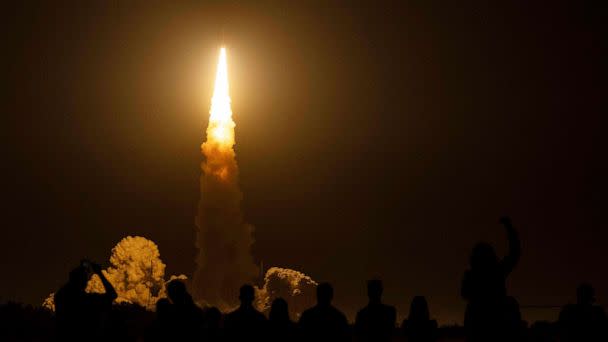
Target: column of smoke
[224, 240]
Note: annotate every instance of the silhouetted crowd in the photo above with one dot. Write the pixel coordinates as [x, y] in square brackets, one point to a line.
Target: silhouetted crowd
[491, 315]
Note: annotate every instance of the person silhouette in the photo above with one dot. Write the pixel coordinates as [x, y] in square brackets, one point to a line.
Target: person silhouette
[280, 327]
[418, 327]
[162, 327]
[245, 323]
[323, 322]
[376, 321]
[213, 322]
[187, 321]
[81, 315]
[583, 321]
[490, 314]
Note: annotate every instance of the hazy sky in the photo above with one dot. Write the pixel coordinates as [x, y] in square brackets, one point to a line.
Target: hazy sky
[373, 140]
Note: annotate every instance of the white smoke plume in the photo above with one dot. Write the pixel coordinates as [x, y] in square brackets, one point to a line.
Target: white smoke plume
[298, 289]
[136, 272]
[224, 240]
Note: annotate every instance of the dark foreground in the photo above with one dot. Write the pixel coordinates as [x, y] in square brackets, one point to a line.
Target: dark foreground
[491, 314]
[26, 323]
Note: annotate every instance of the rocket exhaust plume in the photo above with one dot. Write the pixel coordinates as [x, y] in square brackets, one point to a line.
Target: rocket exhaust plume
[224, 240]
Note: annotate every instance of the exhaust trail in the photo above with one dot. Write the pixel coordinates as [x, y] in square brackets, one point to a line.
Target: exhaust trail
[224, 239]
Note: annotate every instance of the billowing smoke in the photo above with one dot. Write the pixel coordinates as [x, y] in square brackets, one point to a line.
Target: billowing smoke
[224, 240]
[49, 302]
[136, 272]
[298, 289]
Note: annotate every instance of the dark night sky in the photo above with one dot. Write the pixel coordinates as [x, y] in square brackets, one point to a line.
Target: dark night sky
[375, 140]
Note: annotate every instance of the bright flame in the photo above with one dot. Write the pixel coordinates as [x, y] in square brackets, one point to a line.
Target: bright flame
[221, 126]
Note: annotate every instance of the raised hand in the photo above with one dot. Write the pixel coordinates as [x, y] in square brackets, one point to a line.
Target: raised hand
[512, 258]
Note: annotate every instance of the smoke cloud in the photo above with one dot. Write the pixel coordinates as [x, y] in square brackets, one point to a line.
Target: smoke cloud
[298, 289]
[136, 272]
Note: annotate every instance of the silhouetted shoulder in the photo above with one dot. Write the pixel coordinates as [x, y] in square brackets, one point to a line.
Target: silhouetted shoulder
[409, 324]
[567, 311]
[243, 321]
[307, 315]
[600, 313]
[577, 312]
[375, 322]
[383, 310]
[329, 316]
[340, 316]
[60, 295]
[390, 310]
[250, 314]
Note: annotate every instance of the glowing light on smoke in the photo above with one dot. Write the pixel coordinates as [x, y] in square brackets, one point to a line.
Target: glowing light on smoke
[221, 125]
[224, 261]
[136, 272]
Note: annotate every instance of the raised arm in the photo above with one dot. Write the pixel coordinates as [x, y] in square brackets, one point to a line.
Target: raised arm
[110, 291]
[512, 258]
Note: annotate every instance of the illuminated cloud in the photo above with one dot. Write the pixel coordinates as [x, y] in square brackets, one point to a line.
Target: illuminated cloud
[136, 272]
[298, 289]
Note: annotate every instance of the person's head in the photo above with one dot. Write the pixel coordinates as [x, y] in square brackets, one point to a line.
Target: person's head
[483, 257]
[585, 294]
[279, 310]
[176, 290]
[325, 293]
[79, 277]
[374, 290]
[419, 309]
[246, 294]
